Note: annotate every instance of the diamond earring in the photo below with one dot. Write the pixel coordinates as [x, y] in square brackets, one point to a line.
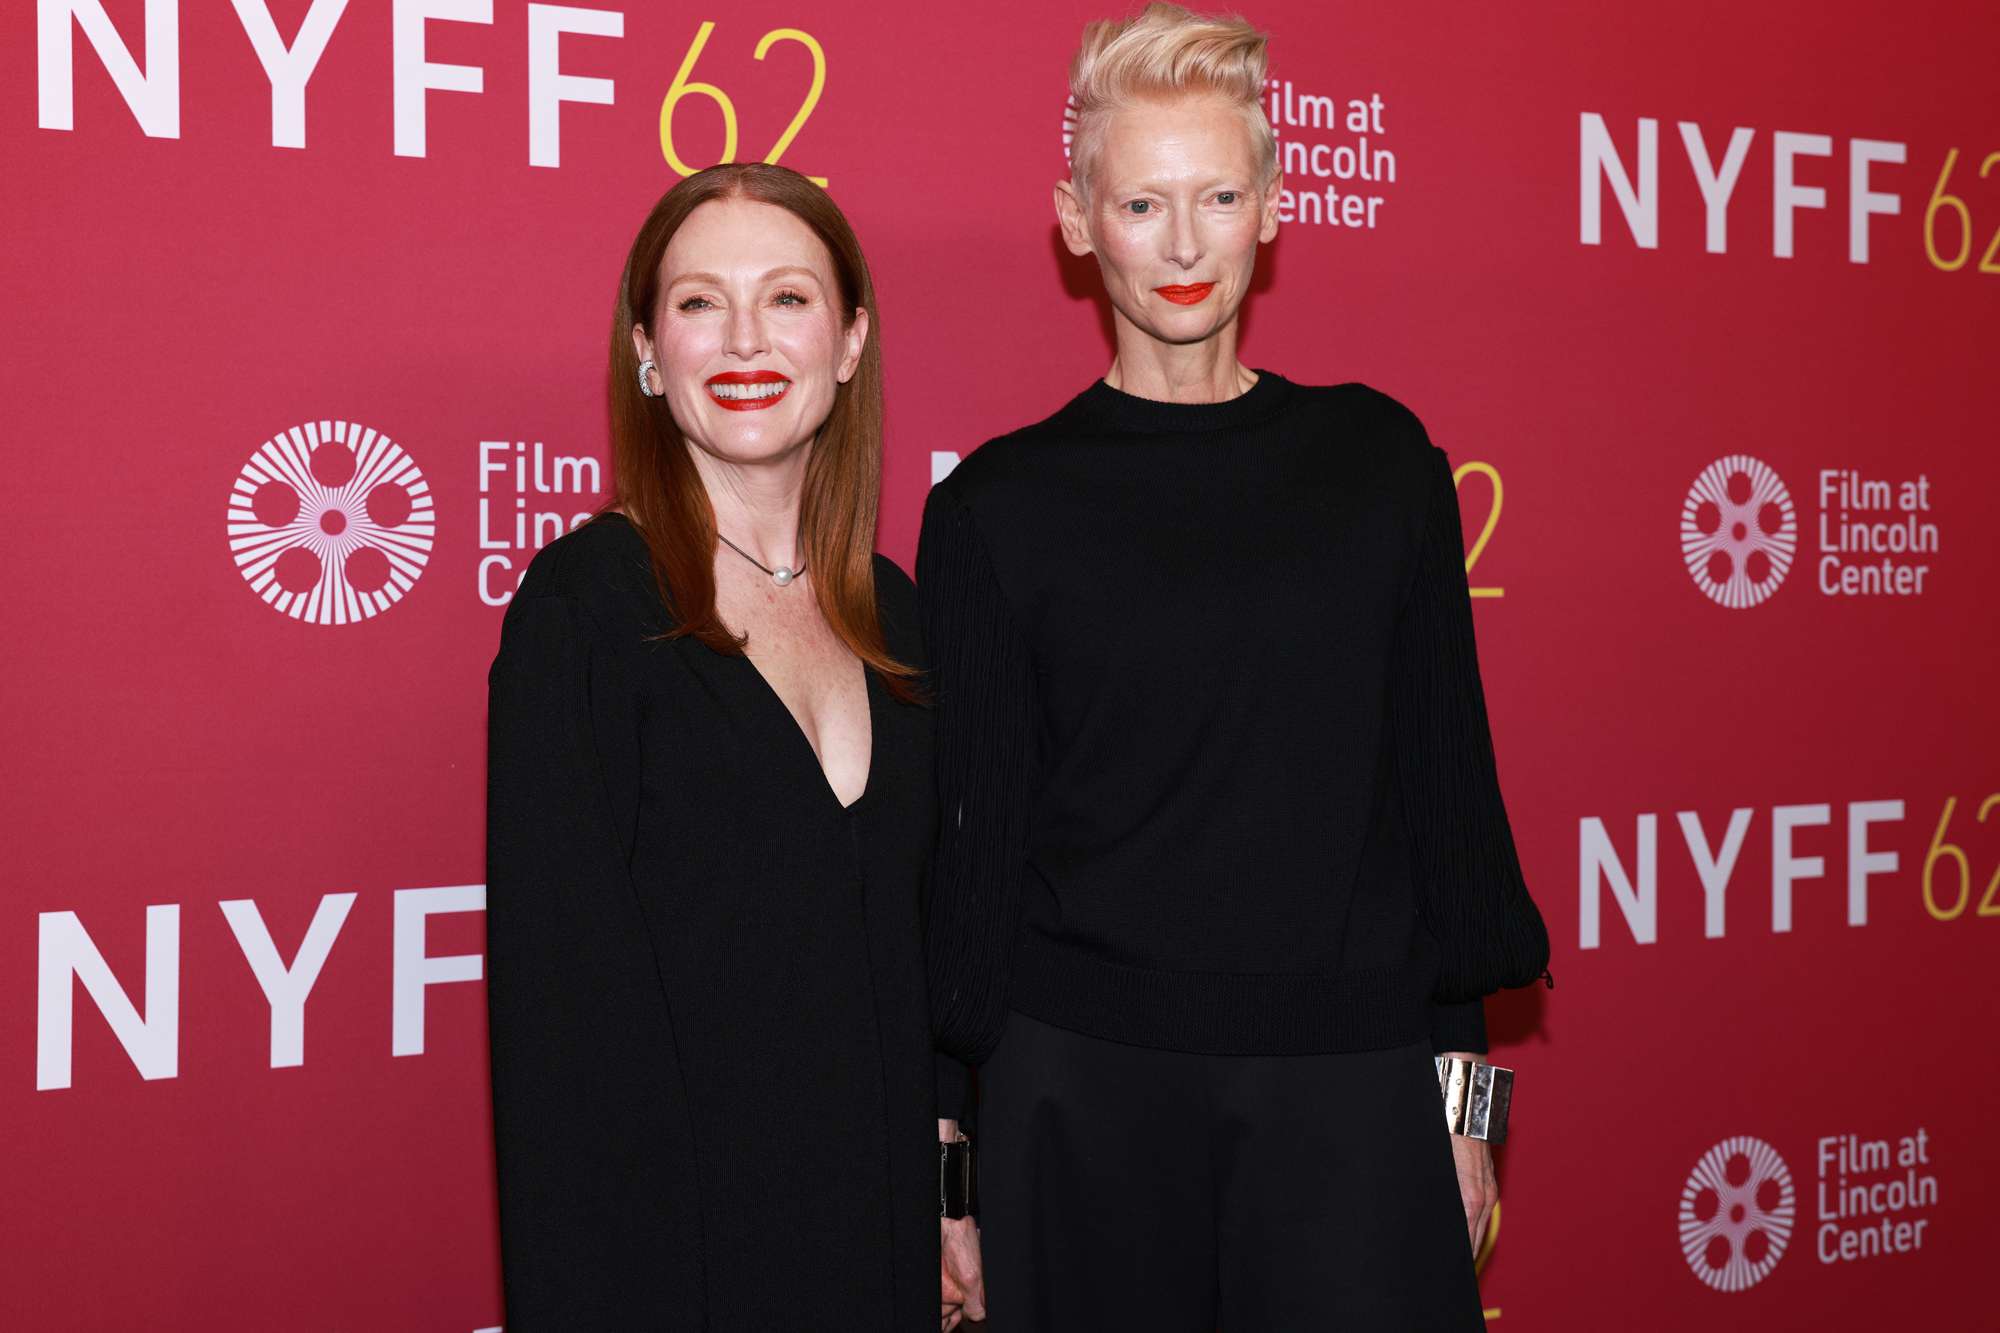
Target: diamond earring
[646, 369]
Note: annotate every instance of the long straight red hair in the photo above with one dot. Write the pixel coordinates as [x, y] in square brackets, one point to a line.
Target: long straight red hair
[654, 478]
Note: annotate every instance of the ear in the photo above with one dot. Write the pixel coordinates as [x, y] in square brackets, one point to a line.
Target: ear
[1272, 194]
[854, 339]
[1070, 216]
[642, 349]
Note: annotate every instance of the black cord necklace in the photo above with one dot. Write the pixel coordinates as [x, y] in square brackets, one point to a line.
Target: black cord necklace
[782, 575]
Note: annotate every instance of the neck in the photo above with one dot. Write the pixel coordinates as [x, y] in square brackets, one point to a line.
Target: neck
[1202, 372]
[757, 504]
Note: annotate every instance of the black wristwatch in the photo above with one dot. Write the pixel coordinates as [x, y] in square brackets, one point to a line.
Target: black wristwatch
[958, 1179]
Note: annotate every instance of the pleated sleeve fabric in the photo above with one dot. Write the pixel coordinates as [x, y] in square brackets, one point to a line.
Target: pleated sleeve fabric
[598, 1220]
[983, 682]
[1470, 891]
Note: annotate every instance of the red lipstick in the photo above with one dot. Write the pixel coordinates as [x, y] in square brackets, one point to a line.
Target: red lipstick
[1193, 293]
[747, 390]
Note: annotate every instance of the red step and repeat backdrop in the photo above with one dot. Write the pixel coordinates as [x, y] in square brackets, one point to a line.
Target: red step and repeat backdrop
[1700, 298]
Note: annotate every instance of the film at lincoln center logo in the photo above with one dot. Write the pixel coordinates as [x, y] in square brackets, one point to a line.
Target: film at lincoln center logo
[1736, 1213]
[1738, 531]
[330, 522]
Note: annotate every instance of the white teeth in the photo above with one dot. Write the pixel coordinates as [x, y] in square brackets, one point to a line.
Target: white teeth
[738, 391]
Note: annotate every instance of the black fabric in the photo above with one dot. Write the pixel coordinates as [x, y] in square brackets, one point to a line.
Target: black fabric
[1458, 1027]
[1213, 755]
[1131, 1188]
[712, 1069]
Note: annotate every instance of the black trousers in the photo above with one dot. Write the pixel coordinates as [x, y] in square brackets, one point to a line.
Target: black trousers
[1123, 1188]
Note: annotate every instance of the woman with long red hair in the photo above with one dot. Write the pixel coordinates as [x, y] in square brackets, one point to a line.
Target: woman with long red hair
[710, 811]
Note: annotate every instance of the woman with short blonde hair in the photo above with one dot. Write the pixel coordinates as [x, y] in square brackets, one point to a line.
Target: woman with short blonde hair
[1224, 862]
[1164, 54]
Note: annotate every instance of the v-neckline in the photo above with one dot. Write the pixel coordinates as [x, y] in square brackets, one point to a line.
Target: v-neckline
[805, 741]
[868, 696]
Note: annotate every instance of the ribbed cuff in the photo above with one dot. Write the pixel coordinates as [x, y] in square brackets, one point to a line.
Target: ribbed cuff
[1459, 1027]
[954, 1092]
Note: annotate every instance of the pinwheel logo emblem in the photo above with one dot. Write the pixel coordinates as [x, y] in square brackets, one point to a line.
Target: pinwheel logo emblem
[1738, 531]
[1736, 1213]
[330, 522]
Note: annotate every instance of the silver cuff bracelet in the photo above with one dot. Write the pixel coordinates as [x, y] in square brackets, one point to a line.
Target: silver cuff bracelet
[1476, 1096]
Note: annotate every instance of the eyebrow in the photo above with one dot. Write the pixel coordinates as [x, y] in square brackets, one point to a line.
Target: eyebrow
[716, 281]
[1223, 182]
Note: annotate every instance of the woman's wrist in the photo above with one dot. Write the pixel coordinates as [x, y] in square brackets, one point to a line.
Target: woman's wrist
[958, 1174]
[1477, 1095]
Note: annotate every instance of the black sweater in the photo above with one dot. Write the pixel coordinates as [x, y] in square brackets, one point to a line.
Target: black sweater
[1214, 766]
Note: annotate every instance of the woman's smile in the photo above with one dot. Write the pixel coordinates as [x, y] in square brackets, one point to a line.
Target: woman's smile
[747, 390]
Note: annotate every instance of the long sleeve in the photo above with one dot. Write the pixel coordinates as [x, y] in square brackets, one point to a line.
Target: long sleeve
[1459, 1027]
[1470, 890]
[954, 1090]
[590, 1123]
[985, 718]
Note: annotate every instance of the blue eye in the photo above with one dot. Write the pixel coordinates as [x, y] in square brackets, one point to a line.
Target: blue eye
[1141, 205]
[693, 303]
[1226, 197]
[789, 298]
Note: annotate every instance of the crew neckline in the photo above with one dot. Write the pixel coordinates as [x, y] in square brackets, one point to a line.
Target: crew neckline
[1127, 411]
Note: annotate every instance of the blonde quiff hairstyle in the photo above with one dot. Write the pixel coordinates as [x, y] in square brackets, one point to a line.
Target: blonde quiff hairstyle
[1166, 52]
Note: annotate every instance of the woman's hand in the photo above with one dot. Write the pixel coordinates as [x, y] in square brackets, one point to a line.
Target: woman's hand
[963, 1281]
[961, 1276]
[1478, 1186]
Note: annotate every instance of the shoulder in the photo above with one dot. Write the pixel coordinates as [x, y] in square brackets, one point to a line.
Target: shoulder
[892, 586]
[1004, 464]
[895, 594]
[896, 609]
[1387, 438]
[603, 569]
[1385, 420]
[605, 548]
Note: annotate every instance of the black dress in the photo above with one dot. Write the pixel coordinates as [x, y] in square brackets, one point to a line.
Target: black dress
[713, 1088]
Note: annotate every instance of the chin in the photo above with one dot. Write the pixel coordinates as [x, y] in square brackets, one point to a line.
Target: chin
[737, 441]
[1184, 332]
[1180, 326]
[754, 443]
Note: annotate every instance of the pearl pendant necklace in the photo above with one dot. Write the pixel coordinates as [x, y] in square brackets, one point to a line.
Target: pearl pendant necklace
[782, 575]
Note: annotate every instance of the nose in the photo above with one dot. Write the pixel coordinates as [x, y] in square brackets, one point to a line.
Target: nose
[744, 337]
[1184, 248]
